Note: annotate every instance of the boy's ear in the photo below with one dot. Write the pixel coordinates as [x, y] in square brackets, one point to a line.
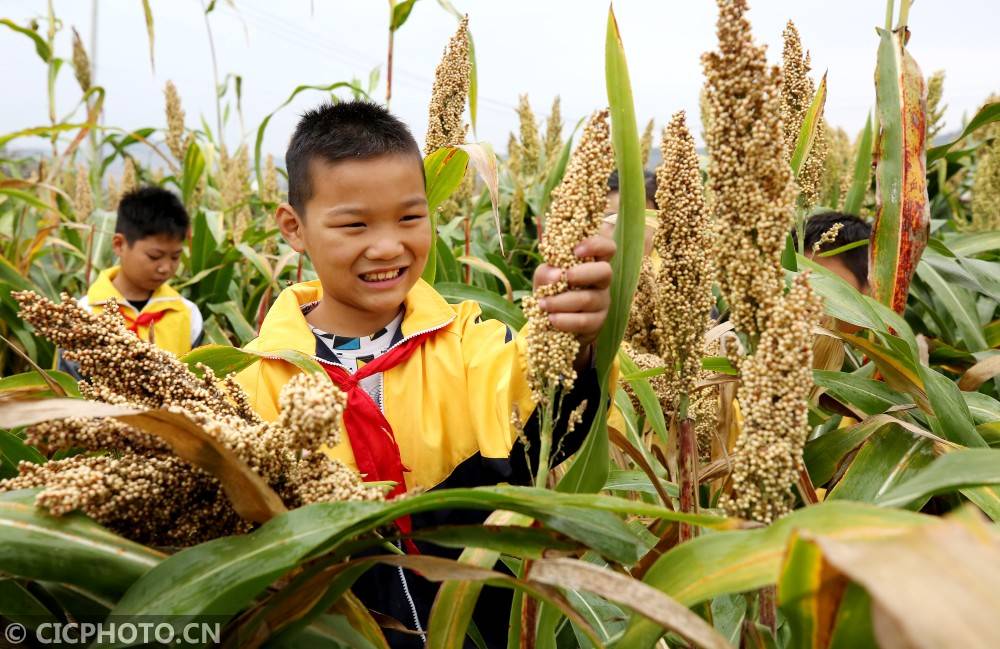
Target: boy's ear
[291, 227]
[118, 243]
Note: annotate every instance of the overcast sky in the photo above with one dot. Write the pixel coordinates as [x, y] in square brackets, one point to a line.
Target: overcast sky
[540, 47]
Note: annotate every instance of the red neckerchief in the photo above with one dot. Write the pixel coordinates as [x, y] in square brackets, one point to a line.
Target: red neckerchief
[375, 450]
[144, 319]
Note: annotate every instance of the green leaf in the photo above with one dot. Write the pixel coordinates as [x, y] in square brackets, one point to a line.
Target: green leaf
[958, 304]
[719, 364]
[258, 261]
[71, 549]
[589, 470]
[20, 606]
[328, 632]
[473, 84]
[41, 47]
[444, 169]
[33, 380]
[788, 255]
[636, 481]
[970, 244]
[961, 469]
[192, 170]
[147, 13]
[853, 624]
[259, 141]
[715, 564]
[494, 306]
[833, 252]
[823, 455]
[224, 360]
[29, 199]
[456, 600]
[244, 330]
[888, 457]
[840, 299]
[16, 450]
[861, 180]
[900, 231]
[647, 398]
[948, 414]
[222, 576]
[801, 586]
[869, 396]
[987, 115]
[811, 122]
[400, 12]
[982, 407]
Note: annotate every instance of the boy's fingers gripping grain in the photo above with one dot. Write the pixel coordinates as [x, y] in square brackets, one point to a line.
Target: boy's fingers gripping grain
[593, 274]
[584, 325]
[589, 301]
[599, 247]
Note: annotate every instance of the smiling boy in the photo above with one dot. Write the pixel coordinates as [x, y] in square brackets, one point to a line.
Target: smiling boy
[431, 385]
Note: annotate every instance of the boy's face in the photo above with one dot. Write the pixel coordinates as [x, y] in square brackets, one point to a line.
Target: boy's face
[148, 262]
[367, 231]
[837, 265]
[842, 270]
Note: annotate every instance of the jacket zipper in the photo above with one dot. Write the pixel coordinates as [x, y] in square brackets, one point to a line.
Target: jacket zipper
[409, 600]
[402, 577]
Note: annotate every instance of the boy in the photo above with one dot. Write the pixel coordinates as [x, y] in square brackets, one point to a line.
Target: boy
[611, 209]
[436, 384]
[149, 237]
[850, 265]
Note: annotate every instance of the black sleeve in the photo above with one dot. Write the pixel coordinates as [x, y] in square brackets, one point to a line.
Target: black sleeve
[587, 388]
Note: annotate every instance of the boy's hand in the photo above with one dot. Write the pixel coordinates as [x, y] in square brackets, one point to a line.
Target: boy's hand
[582, 310]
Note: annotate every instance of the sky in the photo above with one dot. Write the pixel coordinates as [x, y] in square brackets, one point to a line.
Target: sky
[542, 48]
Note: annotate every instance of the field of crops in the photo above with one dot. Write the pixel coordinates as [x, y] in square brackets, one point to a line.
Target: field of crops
[777, 459]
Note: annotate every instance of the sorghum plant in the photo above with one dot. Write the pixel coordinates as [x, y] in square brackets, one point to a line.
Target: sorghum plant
[445, 126]
[797, 92]
[129, 480]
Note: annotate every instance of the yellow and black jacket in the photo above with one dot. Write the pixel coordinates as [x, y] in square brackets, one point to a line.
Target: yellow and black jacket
[449, 406]
[178, 331]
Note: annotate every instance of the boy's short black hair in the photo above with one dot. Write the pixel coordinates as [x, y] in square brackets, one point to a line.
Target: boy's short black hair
[151, 211]
[650, 179]
[356, 129]
[853, 229]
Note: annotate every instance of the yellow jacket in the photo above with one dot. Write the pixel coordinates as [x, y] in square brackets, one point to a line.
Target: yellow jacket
[177, 331]
[450, 400]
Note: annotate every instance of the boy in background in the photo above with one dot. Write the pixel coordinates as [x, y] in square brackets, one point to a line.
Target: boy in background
[431, 386]
[150, 232]
[850, 265]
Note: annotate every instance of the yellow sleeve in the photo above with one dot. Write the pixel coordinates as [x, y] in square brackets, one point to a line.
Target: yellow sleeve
[263, 381]
[496, 375]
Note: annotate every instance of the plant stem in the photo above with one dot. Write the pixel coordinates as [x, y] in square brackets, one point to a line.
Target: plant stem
[688, 466]
[388, 59]
[768, 615]
[545, 425]
[890, 7]
[215, 75]
[904, 13]
[93, 80]
[800, 230]
[468, 248]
